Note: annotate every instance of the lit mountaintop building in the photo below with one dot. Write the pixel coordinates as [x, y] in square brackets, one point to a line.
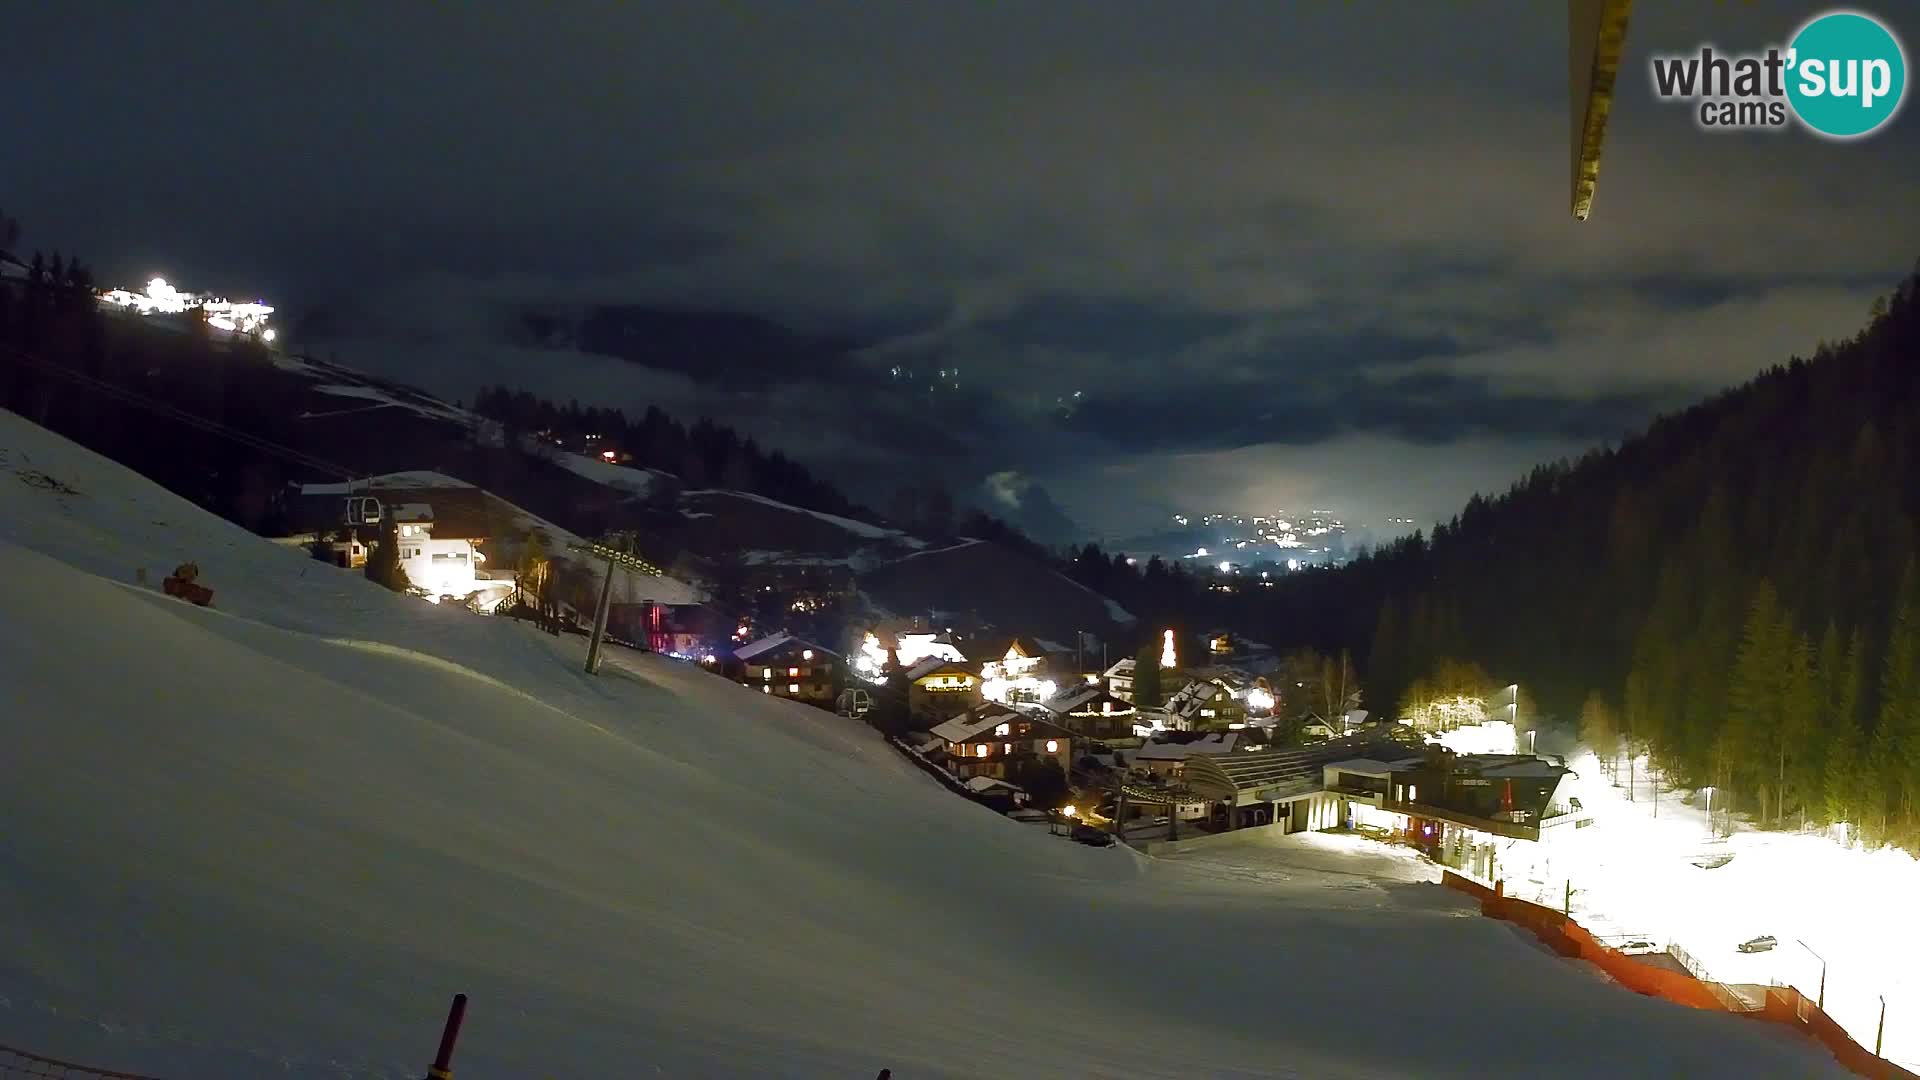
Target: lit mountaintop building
[160, 298]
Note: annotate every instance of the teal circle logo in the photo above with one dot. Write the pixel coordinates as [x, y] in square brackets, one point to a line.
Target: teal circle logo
[1847, 74]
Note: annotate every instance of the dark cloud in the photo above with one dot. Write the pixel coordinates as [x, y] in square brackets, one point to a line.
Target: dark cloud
[1233, 230]
[1017, 498]
[1421, 408]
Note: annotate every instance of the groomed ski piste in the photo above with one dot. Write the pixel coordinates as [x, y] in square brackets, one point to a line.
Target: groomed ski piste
[271, 838]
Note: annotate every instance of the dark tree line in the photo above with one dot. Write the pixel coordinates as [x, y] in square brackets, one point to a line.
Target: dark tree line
[704, 454]
[1162, 594]
[1735, 585]
[1731, 590]
[709, 454]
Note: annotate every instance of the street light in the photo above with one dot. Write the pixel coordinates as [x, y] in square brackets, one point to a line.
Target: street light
[1822, 1002]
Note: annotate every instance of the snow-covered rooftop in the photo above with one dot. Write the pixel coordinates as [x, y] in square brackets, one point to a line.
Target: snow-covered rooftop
[1213, 743]
[1194, 696]
[777, 641]
[980, 785]
[930, 665]
[1371, 766]
[970, 725]
[1530, 768]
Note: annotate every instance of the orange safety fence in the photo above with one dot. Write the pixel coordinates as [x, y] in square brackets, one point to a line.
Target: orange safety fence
[1784, 1005]
[19, 1063]
[1788, 1006]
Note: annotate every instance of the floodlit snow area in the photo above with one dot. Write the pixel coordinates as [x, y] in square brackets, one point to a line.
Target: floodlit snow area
[1668, 880]
[1326, 861]
[635, 482]
[273, 837]
[1492, 737]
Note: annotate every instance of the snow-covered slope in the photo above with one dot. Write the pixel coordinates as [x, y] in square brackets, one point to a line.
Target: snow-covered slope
[640, 483]
[272, 837]
[861, 529]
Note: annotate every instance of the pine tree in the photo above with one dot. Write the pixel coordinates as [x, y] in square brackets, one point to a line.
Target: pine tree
[1897, 735]
[1756, 693]
[1797, 751]
[1599, 728]
[1846, 773]
[383, 562]
[1148, 693]
[1636, 702]
[1386, 659]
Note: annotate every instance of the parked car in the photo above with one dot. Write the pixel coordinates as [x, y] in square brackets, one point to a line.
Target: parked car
[1763, 943]
[1087, 834]
[1638, 945]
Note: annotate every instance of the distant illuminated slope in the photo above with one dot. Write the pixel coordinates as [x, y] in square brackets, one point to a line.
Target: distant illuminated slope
[1596, 37]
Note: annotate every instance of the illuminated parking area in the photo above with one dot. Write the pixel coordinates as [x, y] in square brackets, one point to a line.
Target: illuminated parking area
[1654, 868]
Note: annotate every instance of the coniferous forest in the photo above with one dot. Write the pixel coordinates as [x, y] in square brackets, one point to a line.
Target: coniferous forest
[1735, 591]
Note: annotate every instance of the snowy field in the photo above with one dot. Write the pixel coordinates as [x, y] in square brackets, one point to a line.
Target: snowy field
[272, 838]
[1636, 874]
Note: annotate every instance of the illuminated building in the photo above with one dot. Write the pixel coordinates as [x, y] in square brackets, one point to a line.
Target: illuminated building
[786, 666]
[161, 298]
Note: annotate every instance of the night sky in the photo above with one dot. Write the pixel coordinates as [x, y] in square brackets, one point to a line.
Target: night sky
[1286, 253]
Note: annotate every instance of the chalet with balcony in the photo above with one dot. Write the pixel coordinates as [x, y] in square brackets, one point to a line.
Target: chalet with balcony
[940, 689]
[1203, 704]
[1027, 671]
[786, 666]
[992, 742]
[1093, 712]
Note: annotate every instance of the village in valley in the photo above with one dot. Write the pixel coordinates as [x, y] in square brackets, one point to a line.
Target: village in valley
[1189, 743]
[1010, 684]
[1161, 740]
[1192, 740]
[1009, 675]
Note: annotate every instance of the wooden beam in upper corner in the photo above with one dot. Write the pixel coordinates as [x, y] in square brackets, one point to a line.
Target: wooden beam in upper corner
[1596, 39]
